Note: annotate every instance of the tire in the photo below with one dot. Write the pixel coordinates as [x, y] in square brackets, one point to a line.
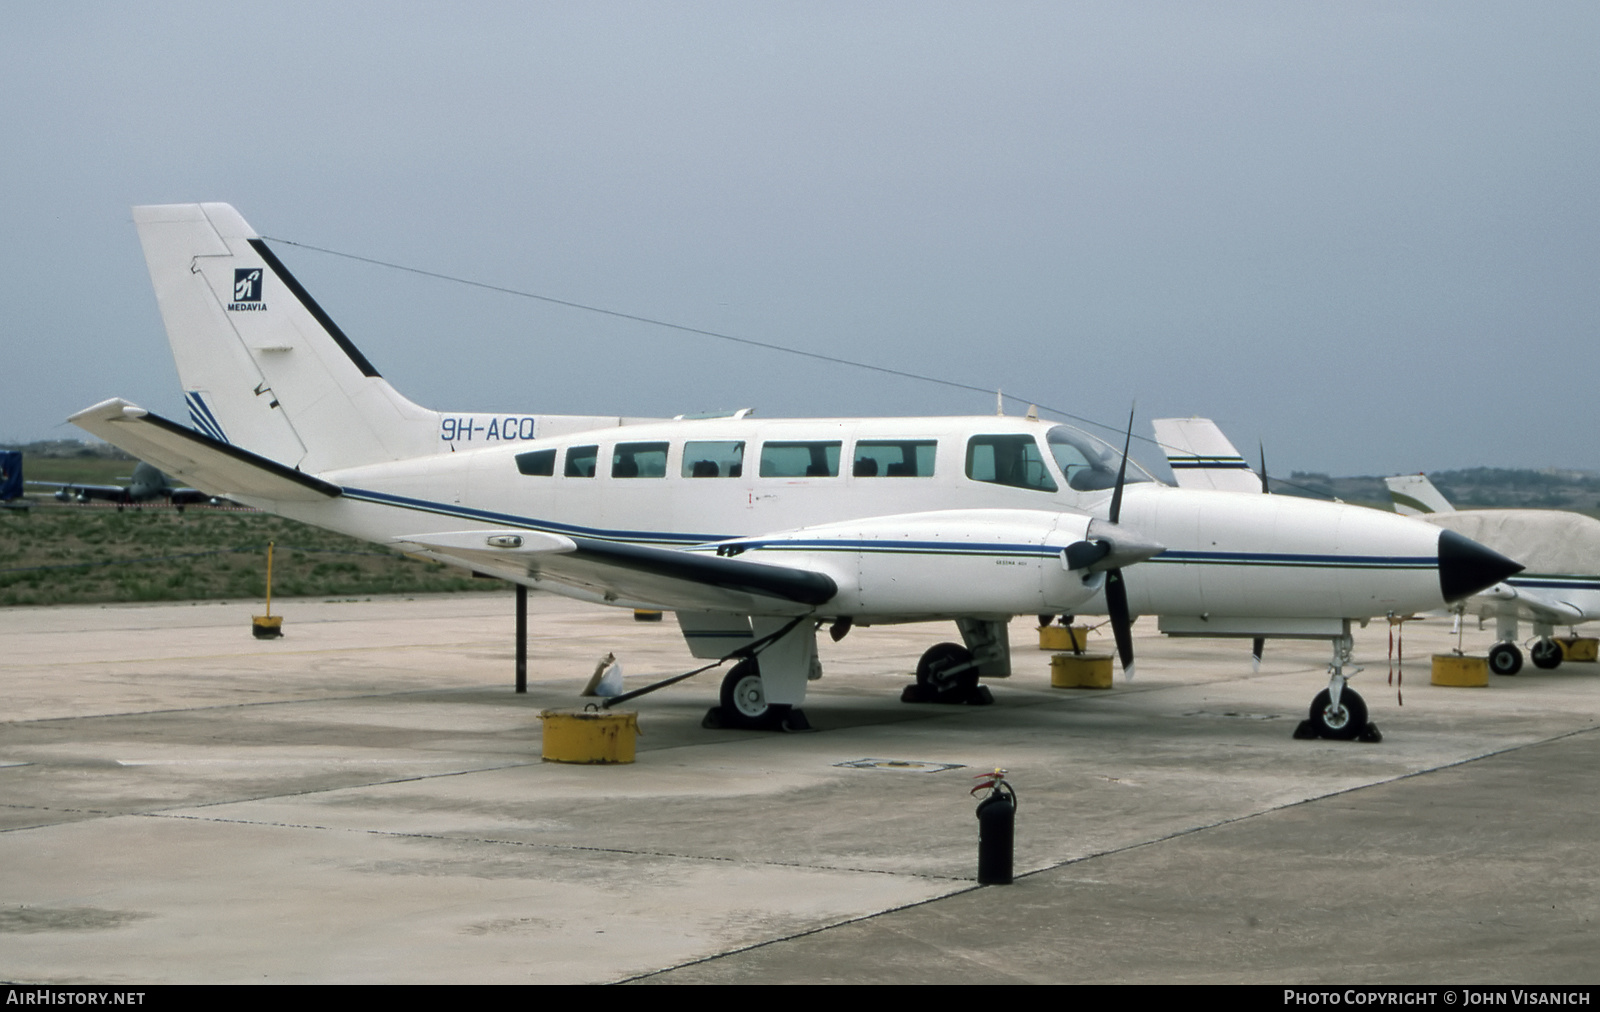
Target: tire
[939, 659]
[744, 698]
[1345, 725]
[1546, 654]
[1505, 659]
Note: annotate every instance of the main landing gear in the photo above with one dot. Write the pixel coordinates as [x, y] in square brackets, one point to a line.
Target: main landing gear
[1545, 653]
[947, 673]
[1506, 659]
[744, 704]
[1338, 712]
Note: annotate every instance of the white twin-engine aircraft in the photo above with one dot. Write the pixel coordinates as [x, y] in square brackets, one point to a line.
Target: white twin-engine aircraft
[754, 532]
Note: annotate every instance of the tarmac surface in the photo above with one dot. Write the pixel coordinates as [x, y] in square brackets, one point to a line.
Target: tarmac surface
[364, 801]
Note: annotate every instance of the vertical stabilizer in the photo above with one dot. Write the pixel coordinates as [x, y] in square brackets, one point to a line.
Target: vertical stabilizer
[1414, 494]
[262, 366]
[1201, 456]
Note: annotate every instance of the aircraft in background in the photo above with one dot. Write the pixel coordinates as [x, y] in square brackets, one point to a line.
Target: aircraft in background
[10, 475]
[147, 484]
[755, 533]
[1560, 587]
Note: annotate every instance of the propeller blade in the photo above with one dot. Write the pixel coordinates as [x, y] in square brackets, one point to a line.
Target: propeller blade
[1264, 490]
[1122, 472]
[1257, 645]
[1121, 624]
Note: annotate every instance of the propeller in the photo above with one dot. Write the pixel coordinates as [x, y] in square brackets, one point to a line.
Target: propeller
[1116, 590]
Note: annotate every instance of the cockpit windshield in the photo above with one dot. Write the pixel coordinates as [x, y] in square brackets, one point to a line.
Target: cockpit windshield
[1089, 464]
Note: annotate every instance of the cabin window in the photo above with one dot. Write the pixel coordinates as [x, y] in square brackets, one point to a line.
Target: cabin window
[713, 458]
[540, 463]
[1012, 460]
[639, 460]
[581, 460]
[800, 460]
[894, 458]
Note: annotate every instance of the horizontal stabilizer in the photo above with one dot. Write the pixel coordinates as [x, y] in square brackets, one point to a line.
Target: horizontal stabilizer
[212, 466]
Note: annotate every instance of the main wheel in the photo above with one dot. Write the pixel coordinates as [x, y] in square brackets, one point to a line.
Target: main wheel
[947, 669]
[1347, 722]
[744, 698]
[1545, 653]
[1505, 659]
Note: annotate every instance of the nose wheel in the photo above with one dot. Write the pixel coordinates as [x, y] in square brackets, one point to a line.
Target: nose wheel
[1338, 712]
[1344, 722]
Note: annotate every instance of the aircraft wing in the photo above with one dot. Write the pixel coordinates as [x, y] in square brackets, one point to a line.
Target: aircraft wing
[1201, 456]
[68, 490]
[210, 465]
[671, 578]
[1530, 605]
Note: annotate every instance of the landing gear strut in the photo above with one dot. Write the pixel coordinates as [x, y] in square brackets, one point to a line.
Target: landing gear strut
[1339, 712]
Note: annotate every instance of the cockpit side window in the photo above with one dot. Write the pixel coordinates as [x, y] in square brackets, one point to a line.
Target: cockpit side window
[581, 461]
[1012, 460]
[1088, 464]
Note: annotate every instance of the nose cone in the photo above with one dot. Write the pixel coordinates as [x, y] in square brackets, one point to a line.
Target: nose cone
[1466, 567]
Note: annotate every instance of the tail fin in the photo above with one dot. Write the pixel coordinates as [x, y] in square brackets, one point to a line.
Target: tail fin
[263, 367]
[1414, 494]
[1201, 456]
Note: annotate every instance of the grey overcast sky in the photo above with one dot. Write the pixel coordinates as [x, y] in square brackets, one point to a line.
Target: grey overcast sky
[1366, 233]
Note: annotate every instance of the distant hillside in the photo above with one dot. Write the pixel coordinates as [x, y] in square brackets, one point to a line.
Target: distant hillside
[70, 448]
[1492, 487]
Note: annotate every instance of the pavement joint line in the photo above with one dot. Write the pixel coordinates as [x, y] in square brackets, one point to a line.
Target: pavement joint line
[974, 887]
[1175, 835]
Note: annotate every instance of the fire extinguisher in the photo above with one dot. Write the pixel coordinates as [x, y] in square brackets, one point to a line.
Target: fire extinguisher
[997, 822]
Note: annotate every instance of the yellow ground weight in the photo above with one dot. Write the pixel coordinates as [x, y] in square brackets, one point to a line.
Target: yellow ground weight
[1080, 671]
[1579, 648]
[268, 626]
[1059, 637]
[1460, 671]
[589, 736]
